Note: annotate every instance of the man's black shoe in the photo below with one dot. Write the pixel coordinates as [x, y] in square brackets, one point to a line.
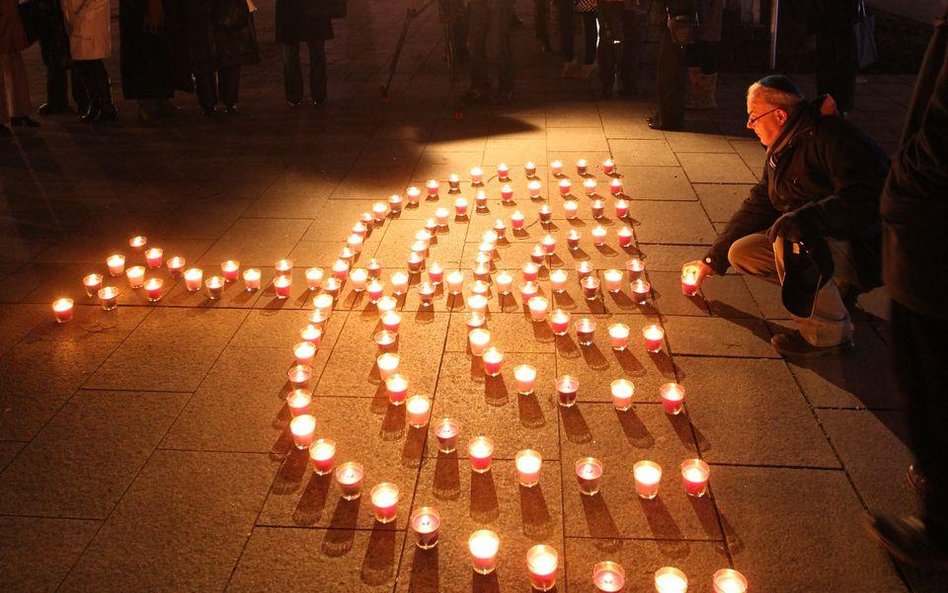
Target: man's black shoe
[916, 480]
[656, 124]
[909, 541]
[53, 109]
[793, 345]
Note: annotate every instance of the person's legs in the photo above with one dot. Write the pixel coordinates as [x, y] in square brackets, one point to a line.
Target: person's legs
[317, 70]
[754, 255]
[478, 24]
[18, 85]
[205, 87]
[293, 73]
[567, 26]
[671, 85]
[590, 37]
[4, 99]
[502, 12]
[635, 25]
[228, 82]
[56, 101]
[611, 45]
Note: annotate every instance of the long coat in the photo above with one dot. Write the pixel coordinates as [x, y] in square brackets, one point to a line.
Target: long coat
[12, 36]
[220, 33]
[87, 21]
[293, 25]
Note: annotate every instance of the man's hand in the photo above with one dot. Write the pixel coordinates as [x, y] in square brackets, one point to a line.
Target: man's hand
[790, 226]
[699, 269]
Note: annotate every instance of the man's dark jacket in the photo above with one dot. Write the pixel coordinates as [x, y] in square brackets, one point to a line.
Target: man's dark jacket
[915, 201]
[829, 172]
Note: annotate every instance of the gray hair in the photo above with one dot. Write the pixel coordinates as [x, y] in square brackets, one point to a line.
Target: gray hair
[784, 99]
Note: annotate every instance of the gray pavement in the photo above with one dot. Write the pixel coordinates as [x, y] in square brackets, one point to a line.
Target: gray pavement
[147, 448]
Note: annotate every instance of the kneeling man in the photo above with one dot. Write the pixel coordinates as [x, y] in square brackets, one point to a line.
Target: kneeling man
[821, 184]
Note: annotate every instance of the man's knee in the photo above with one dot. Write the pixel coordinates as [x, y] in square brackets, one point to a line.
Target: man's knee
[752, 255]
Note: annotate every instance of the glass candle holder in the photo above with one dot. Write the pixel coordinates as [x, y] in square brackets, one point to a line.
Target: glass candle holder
[622, 209]
[504, 282]
[618, 336]
[375, 290]
[479, 339]
[493, 359]
[622, 391]
[546, 215]
[477, 176]
[480, 450]
[332, 286]
[397, 388]
[426, 292]
[63, 310]
[359, 278]
[500, 229]
[339, 269]
[615, 187]
[446, 431]
[566, 388]
[558, 279]
[384, 498]
[669, 579]
[399, 282]
[635, 267]
[387, 364]
[116, 264]
[252, 279]
[581, 166]
[477, 303]
[530, 169]
[314, 278]
[441, 217]
[599, 234]
[528, 463]
[418, 410]
[585, 329]
[153, 289]
[583, 270]
[215, 287]
[689, 280]
[559, 322]
[516, 220]
[299, 376]
[608, 577]
[154, 257]
[474, 320]
[282, 286]
[92, 283]
[728, 580]
[138, 242]
[598, 209]
[349, 476]
[673, 398]
[312, 334]
[566, 187]
[608, 166]
[108, 297]
[506, 193]
[525, 377]
[647, 476]
[589, 187]
[538, 307]
[385, 340]
[530, 271]
[283, 267]
[556, 167]
[433, 188]
[305, 353]
[435, 273]
[694, 477]
[480, 287]
[641, 289]
[230, 270]
[303, 427]
[425, 523]
[548, 242]
[136, 276]
[653, 334]
[625, 236]
[570, 209]
[391, 320]
[542, 562]
[588, 475]
[483, 545]
[590, 286]
[613, 280]
[322, 453]
[529, 290]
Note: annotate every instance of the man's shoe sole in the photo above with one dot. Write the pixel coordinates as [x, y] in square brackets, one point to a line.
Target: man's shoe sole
[813, 351]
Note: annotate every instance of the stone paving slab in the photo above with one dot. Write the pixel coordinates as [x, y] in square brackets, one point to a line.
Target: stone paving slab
[672, 223]
[256, 242]
[721, 200]
[182, 525]
[719, 337]
[37, 553]
[17, 322]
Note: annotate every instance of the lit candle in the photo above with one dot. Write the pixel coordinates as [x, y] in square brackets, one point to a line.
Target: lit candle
[379, 211]
[549, 243]
[583, 269]
[598, 209]
[558, 280]
[314, 278]
[418, 410]
[615, 187]
[331, 286]
[355, 242]
[230, 270]
[388, 364]
[694, 477]
[318, 318]
[531, 272]
[588, 475]
[360, 228]
[447, 432]
[542, 562]
[391, 321]
[728, 580]
[530, 168]
[599, 235]
[641, 289]
[528, 291]
[613, 279]
[92, 283]
[608, 576]
[282, 286]
[506, 193]
[525, 377]
[136, 276]
[215, 287]
[559, 322]
[298, 402]
[556, 167]
[323, 303]
[399, 281]
[303, 427]
[375, 289]
[590, 285]
[618, 336]
[570, 207]
[689, 280]
[546, 214]
[608, 166]
[252, 279]
[154, 257]
[480, 287]
[299, 376]
[176, 266]
[397, 388]
[669, 579]
[479, 339]
[653, 335]
[538, 307]
[358, 277]
[441, 216]
[63, 310]
[581, 166]
[622, 208]
[566, 388]
[340, 269]
[284, 267]
[386, 304]
[589, 185]
[349, 477]
[385, 340]
[492, 359]
[394, 204]
[454, 183]
[435, 273]
[477, 176]
[503, 172]
[480, 450]
[625, 236]
[534, 188]
[432, 187]
[305, 353]
[635, 267]
[482, 269]
[425, 523]
[460, 208]
[108, 297]
[504, 282]
[566, 187]
[516, 220]
[477, 303]
[500, 229]
[426, 292]
[483, 545]
[322, 453]
[647, 475]
[138, 242]
[673, 397]
[153, 289]
[528, 463]
[385, 501]
[585, 328]
[622, 391]
[414, 195]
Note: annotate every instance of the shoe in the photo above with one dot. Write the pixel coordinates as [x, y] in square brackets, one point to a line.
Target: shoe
[657, 124]
[916, 480]
[24, 121]
[107, 113]
[89, 115]
[53, 108]
[296, 103]
[793, 344]
[230, 109]
[208, 111]
[908, 540]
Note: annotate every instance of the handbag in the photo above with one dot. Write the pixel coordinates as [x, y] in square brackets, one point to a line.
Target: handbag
[326, 9]
[30, 16]
[807, 268]
[866, 48]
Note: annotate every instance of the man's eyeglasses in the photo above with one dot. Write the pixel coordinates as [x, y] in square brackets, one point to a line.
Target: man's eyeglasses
[752, 121]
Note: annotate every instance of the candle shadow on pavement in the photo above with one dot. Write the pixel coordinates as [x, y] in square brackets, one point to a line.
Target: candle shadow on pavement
[634, 429]
[379, 562]
[537, 523]
[600, 522]
[283, 446]
[660, 521]
[563, 300]
[495, 391]
[338, 540]
[629, 363]
[393, 424]
[484, 505]
[530, 412]
[447, 477]
[566, 347]
[425, 571]
[291, 472]
[542, 332]
[485, 583]
[309, 509]
[621, 300]
[413, 447]
[706, 511]
[594, 357]
[577, 430]
[607, 251]
[688, 433]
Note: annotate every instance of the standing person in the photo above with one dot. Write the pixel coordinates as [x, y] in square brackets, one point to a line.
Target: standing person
[836, 59]
[489, 31]
[146, 30]
[703, 56]
[915, 214]
[586, 11]
[622, 30]
[681, 23]
[15, 106]
[90, 41]
[221, 39]
[296, 25]
[54, 48]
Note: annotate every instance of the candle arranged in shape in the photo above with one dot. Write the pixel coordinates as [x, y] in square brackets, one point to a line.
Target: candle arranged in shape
[590, 285]
[558, 280]
[641, 290]
[385, 501]
[447, 431]
[504, 282]
[673, 397]
[387, 364]
[252, 279]
[480, 449]
[538, 306]
[484, 545]
[418, 409]
[479, 339]
[728, 580]
[397, 388]
[108, 297]
[528, 463]
[618, 336]
[613, 280]
[322, 453]
[230, 270]
[349, 476]
[559, 322]
[391, 320]
[653, 334]
[136, 276]
[63, 310]
[92, 284]
[215, 287]
[647, 475]
[305, 353]
[525, 377]
[622, 391]
[566, 388]
[689, 280]
[154, 257]
[153, 287]
[608, 576]
[314, 278]
[116, 264]
[302, 427]
[625, 237]
[585, 328]
[492, 359]
[570, 208]
[669, 579]
[299, 376]
[694, 477]
[542, 562]
[635, 267]
[589, 475]
[425, 523]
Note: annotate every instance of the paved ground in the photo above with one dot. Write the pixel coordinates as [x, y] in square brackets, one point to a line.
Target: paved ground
[147, 448]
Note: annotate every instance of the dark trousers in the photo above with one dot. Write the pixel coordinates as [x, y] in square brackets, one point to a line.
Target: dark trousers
[95, 82]
[567, 25]
[671, 83]
[489, 37]
[217, 85]
[53, 43]
[622, 35]
[836, 64]
[293, 71]
[704, 55]
[920, 348]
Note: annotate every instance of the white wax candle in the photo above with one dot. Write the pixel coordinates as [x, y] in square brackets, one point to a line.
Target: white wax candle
[622, 391]
[116, 264]
[528, 463]
[483, 545]
[418, 409]
[647, 476]
[669, 579]
[525, 377]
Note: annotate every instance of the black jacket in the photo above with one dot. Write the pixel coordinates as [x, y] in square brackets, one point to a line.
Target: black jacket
[829, 171]
[915, 200]
[294, 25]
[220, 33]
